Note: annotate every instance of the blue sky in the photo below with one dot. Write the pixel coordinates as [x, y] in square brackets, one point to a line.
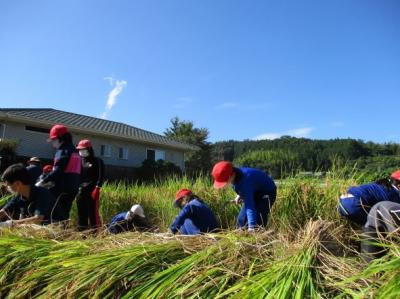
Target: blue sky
[242, 69]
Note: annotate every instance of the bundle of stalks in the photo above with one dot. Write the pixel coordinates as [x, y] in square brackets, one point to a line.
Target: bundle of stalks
[16, 255]
[208, 272]
[293, 276]
[380, 279]
[103, 268]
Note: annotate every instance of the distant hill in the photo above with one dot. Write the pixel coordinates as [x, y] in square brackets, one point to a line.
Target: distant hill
[288, 155]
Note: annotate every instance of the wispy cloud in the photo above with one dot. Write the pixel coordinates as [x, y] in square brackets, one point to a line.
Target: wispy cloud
[299, 132]
[227, 105]
[118, 86]
[182, 102]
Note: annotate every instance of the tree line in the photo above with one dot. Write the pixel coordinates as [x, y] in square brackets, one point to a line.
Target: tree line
[286, 155]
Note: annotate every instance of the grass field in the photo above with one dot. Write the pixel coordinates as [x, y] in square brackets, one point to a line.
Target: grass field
[307, 251]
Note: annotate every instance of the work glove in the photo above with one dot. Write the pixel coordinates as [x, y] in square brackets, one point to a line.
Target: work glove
[39, 184]
[96, 193]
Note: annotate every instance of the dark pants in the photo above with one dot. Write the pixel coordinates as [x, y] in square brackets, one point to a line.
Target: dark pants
[263, 204]
[383, 219]
[62, 206]
[88, 210]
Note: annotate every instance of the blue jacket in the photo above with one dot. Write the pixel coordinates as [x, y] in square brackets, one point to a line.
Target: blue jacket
[196, 217]
[66, 170]
[40, 202]
[120, 224]
[364, 197]
[250, 182]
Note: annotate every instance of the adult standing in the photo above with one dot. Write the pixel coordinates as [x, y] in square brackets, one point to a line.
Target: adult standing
[66, 171]
[34, 169]
[88, 199]
[255, 189]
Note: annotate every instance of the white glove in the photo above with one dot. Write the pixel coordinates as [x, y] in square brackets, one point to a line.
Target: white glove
[39, 184]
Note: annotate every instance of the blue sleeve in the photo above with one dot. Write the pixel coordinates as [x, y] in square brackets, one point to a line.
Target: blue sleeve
[118, 218]
[185, 213]
[249, 205]
[61, 159]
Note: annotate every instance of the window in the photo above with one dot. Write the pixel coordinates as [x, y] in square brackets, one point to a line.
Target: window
[105, 150]
[123, 153]
[37, 129]
[160, 155]
[151, 155]
[155, 155]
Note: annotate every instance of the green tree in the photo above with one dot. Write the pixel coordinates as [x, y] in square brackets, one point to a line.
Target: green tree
[197, 161]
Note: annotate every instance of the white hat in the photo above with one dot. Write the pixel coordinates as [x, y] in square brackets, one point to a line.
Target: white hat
[136, 210]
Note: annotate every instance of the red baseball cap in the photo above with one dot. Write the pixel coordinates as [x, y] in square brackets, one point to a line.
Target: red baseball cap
[47, 168]
[57, 130]
[221, 173]
[181, 193]
[85, 143]
[396, 175]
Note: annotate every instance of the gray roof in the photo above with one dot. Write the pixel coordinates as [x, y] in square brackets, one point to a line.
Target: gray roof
[46, 117]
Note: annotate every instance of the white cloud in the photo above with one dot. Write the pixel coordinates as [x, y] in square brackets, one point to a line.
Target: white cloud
[227, 105]
[118, 86]
[299, 132]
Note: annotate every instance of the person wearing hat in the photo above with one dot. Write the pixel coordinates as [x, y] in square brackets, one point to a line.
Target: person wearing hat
[132, 220]
[66, 170]
[29, 204]
[255, 189]
[195, 216]
[358, 201]
[92, 175]
[45, 171]
[34, 169]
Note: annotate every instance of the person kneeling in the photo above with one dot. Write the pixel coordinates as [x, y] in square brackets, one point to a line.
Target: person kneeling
[132, 220]
[32, 204]
[195, 216]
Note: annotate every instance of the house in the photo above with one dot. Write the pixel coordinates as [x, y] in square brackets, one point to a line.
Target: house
[121, 146]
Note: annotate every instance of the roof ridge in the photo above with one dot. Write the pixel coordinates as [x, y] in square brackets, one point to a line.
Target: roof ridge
[110, 123]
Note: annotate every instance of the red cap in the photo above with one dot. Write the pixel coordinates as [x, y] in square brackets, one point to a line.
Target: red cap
[181, 193]
[47, 168]
[396, 175]
[57, 130]
[221, 173]
[85, 143]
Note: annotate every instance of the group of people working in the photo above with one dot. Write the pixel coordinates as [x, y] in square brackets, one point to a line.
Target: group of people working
[47, 196]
